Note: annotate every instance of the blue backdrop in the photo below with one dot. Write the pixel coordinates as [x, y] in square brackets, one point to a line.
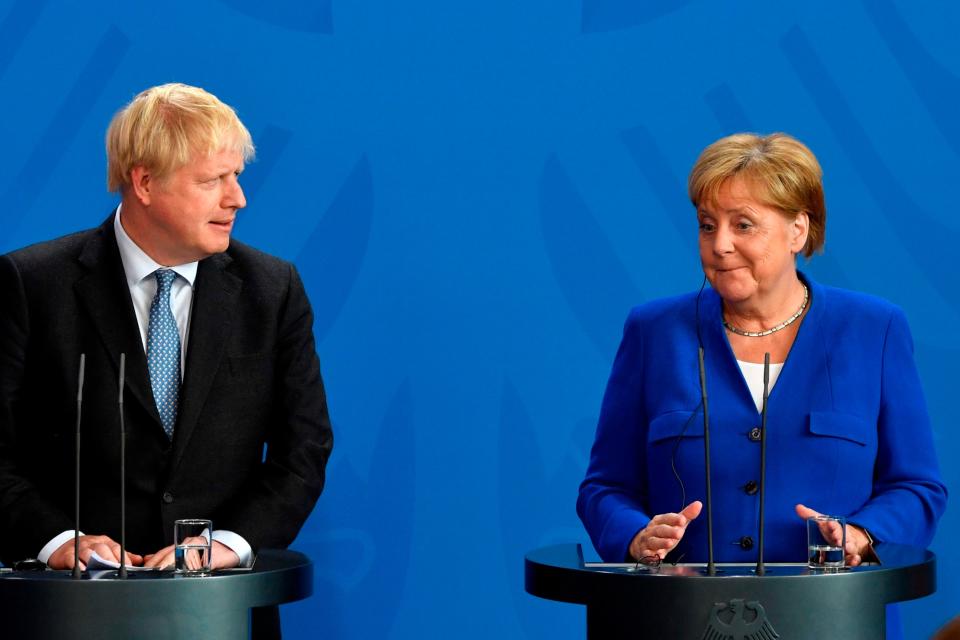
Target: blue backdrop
[476, 193]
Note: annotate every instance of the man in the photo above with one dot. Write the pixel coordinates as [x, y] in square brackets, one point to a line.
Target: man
[220, 359]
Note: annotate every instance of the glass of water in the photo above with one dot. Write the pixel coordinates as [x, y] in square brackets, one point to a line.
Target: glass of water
[192, 546]
[826, 541]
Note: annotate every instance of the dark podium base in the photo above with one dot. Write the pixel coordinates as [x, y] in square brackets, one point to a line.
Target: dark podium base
[149, 606]
[678, 602]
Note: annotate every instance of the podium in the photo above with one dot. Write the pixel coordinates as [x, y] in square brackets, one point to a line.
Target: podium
[149, 605]
[681, 601]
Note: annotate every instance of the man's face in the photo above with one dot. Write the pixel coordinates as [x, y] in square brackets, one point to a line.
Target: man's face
[189, 214]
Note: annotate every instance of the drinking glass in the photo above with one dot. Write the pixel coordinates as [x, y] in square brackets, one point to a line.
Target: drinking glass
[192, 546]
[826, 541]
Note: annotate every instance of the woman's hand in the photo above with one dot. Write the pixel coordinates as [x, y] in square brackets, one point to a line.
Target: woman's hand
[664, 532]
[858, 544]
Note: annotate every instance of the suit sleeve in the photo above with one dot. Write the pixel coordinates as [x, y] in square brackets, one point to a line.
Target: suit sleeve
[278, 499]
[613, 493]
[908, 494]
[27, 519]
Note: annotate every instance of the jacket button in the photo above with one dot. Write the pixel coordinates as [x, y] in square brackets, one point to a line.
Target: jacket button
[167, 497]
[746, 543]
[754, 434]
[750, 488]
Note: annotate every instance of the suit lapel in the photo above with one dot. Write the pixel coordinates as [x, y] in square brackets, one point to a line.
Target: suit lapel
[805, 380]
[805, 373]
[721, 362]
[104, 293]
[215, 297]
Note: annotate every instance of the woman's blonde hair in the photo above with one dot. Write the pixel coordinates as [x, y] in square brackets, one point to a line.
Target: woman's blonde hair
[164, 126]
[780, 171]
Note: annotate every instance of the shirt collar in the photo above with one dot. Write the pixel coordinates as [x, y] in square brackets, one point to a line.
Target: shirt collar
[137, 265]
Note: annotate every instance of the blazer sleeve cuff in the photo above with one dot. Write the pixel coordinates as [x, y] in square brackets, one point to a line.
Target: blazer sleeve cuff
[619, 532]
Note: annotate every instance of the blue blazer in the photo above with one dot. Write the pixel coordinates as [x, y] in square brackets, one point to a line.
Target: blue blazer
[847, 431]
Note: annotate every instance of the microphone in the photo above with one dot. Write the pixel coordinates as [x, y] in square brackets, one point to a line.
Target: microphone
[76, 472]
[761, 570]
[711, 567]
[122, 573]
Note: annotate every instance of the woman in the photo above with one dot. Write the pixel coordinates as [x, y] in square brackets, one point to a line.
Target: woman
[847, 431]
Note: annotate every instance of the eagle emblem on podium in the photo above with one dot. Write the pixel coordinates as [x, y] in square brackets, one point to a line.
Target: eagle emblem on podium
[739, 620]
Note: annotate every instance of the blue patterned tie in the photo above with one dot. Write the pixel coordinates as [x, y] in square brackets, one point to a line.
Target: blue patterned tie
[163, 351]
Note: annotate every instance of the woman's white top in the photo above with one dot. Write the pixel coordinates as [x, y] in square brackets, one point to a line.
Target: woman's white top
[753, 374]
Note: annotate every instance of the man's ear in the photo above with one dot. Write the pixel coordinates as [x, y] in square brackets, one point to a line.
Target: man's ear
[142, 184]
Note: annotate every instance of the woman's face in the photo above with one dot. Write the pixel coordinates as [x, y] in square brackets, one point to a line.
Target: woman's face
[747, 249]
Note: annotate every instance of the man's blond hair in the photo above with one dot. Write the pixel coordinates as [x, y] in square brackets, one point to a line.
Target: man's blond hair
[165, 126]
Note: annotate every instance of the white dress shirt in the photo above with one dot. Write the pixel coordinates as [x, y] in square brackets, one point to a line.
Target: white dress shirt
[753, 374]
[139, 268]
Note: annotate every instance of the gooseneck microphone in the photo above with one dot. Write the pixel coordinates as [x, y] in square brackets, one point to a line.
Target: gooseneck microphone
[711, 567]
[122, 573]
[76, 473]
[763, 458]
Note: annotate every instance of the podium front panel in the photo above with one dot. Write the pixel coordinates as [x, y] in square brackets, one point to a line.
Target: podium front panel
[682, 601]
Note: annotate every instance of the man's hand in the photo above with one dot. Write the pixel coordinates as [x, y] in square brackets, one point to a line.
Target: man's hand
[663, 532]
[222, 557]
[858, 544]
[104, 546]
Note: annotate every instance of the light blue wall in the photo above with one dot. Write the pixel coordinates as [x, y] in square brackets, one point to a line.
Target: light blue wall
[476, 192]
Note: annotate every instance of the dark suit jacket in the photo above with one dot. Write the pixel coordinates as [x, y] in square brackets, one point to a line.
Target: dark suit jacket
[252, 380]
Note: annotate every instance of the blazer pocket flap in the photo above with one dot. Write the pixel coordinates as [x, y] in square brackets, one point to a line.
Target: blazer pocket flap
[676, 424]
[842, 425]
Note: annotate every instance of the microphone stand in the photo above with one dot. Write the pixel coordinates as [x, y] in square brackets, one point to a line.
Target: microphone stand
[122, 573]
[711, 567]
[76, 474]
[761, 569]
